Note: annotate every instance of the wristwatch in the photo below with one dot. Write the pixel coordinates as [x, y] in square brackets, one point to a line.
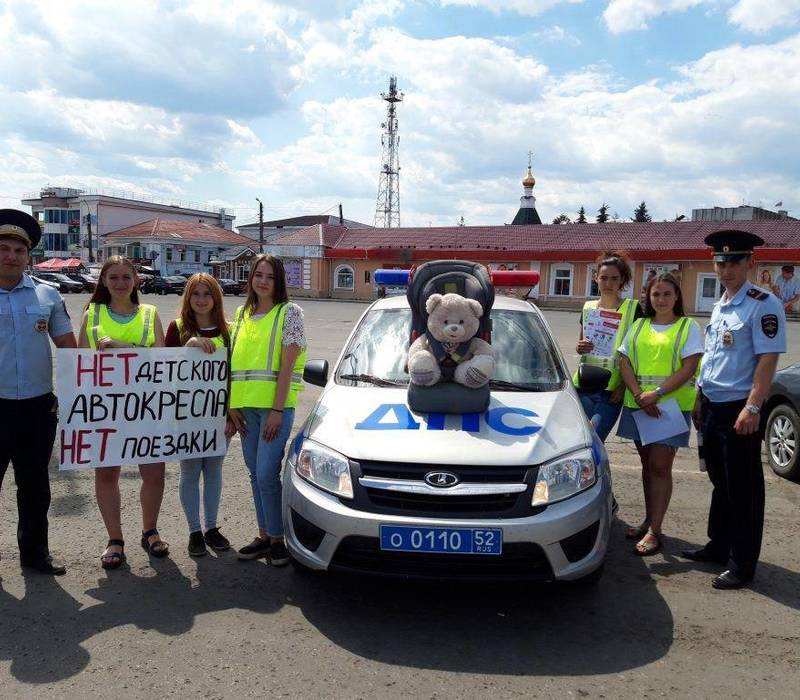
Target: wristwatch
[660, 391]
[752, 408]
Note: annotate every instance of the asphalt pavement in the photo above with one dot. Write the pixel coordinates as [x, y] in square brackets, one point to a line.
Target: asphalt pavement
[216, 627]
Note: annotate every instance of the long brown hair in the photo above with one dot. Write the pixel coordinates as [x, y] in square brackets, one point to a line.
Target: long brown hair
[620, 261]
[101, 294]
[189, 324]
[648, 309]
[279, 293]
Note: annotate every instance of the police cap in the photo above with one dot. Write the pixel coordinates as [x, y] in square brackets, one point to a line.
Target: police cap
[732, 245]
[18, 224]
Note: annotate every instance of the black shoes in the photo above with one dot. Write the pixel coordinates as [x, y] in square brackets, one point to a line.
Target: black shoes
[257, 549]
[48, 565]
[278, 554]
[214, 539]
[727, 580]
[197, 545]
[703, 555]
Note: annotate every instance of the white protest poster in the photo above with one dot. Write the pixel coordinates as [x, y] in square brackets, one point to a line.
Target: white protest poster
[140, 405]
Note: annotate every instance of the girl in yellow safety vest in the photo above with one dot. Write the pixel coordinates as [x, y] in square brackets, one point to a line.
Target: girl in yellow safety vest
[613, 276]
[267, 358]
[201, 325]
[114, 318]
[660, 356]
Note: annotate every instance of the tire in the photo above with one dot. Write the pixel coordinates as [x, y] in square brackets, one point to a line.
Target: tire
[781, 438]
[161, 292]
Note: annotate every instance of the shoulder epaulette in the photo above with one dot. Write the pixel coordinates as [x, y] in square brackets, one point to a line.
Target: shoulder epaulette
[758, 294]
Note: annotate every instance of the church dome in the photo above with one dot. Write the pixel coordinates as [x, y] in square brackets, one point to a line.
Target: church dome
[529, 180]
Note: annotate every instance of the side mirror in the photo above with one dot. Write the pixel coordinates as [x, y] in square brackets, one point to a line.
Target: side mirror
[316, 372]
[592, 378]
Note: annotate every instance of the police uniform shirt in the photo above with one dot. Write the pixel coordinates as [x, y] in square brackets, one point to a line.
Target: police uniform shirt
[28, 314]
[742, 328]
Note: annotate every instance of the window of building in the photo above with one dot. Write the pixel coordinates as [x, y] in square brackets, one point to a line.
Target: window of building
[169, 254]
[343, 277]
[197, 256]
[561, 280]
[242, 271]
[367, 276]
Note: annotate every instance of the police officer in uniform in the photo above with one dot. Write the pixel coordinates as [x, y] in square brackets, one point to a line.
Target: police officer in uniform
[746, 335]
[29, 313]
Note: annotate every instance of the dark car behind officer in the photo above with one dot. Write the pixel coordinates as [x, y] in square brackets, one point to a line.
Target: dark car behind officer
[744, 338]
[30, 314]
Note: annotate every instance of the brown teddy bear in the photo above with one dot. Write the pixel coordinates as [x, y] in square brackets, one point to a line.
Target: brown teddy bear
[449, 350]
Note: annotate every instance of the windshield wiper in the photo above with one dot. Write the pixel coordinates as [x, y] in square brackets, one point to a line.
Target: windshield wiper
[369, 379]
[510, 386]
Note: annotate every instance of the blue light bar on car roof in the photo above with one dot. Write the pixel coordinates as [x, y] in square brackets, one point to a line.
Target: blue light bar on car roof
[398, 278]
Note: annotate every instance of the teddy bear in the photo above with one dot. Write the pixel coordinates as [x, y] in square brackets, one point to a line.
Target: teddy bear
[455, 353]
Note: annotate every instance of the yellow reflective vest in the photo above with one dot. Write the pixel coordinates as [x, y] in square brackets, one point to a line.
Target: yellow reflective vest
[627, 311]
[655, 356]
[218, 340]
[256, 351]
[139, 331]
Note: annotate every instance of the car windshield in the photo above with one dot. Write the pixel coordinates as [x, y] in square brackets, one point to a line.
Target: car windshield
[526, 359]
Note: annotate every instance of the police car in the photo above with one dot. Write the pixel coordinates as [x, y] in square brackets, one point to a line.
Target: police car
[519, 492]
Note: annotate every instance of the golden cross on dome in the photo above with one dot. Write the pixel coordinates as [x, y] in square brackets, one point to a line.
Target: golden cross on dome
[530, 158]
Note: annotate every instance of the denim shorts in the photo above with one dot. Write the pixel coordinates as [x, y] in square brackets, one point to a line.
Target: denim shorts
[628, 431]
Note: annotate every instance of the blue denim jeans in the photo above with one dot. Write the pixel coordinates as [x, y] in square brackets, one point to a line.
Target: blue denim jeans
[191, 469]
[597, 403]
[263, 460]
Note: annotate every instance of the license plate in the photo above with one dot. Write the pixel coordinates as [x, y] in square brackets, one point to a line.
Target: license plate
[442, 540]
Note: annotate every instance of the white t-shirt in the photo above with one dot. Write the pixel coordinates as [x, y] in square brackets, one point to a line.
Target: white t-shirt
[694, 342]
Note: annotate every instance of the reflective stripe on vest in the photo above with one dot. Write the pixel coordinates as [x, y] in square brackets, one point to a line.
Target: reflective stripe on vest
[685, 395]
[627, 311]
[218, 340]
[139, 331]
[255, 387]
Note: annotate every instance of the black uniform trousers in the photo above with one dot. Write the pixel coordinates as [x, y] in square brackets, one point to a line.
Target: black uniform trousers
[27, 432]
[736, 518]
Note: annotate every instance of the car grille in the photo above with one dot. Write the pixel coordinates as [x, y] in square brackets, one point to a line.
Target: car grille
[394, 502]
[519, 560]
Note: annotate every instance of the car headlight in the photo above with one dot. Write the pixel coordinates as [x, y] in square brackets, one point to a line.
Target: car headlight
[564, 477]
[325, 468]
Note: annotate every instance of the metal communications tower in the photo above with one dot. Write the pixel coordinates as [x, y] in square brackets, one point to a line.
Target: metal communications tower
[387, 209]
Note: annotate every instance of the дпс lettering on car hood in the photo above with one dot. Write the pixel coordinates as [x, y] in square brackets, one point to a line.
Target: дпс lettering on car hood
[518, 428]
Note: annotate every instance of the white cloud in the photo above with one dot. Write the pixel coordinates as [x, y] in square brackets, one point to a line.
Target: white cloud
[556, 34]
[530, 8]
[762, 15]
[632, 15]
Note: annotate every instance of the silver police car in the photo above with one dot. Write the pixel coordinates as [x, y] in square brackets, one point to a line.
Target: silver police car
[519, 492]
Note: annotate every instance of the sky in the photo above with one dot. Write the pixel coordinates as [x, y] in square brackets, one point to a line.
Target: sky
[680, 103]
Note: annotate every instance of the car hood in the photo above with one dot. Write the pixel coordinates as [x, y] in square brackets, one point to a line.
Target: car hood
[366, 423]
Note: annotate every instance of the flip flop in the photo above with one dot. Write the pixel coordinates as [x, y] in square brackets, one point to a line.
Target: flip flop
[636, 533]
[646, 549]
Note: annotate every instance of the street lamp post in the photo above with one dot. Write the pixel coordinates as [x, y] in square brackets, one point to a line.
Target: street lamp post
[260, 225]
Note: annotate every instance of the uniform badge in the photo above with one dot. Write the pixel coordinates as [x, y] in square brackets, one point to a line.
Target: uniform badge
[727, 339]
[769, 324]
[41, 325]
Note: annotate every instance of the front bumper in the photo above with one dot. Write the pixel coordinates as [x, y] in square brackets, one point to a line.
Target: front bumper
[566, 541]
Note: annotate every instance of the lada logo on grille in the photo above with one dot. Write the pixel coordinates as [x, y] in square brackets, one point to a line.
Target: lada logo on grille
[441, 480]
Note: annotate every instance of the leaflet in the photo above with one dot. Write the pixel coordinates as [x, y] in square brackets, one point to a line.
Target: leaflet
[601, 328]
[670, 423]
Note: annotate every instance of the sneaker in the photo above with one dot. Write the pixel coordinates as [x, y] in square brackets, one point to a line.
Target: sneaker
[215, 540]
[255, 550]
[278, 554]
[197, 545]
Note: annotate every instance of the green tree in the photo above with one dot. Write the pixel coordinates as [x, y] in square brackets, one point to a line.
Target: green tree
[581, 215]
[640, 215]
[562, 218]
[602, 214]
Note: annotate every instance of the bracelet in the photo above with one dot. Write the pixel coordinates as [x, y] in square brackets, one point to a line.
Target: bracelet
[276, 410]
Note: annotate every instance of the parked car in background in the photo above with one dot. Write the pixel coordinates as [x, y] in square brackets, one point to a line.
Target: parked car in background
[49, 283]
[146, 283]
[231, 286]
[89, 283]
[167, 285]
[782, 409]
[65, 284]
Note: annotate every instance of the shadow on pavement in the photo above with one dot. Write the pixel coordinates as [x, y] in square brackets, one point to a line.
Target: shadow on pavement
[43, 632]
[548, 629]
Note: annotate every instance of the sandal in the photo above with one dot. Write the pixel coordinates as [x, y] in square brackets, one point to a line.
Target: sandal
[113, 560]
[648, 548]
[636, 533]
[157, 549]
